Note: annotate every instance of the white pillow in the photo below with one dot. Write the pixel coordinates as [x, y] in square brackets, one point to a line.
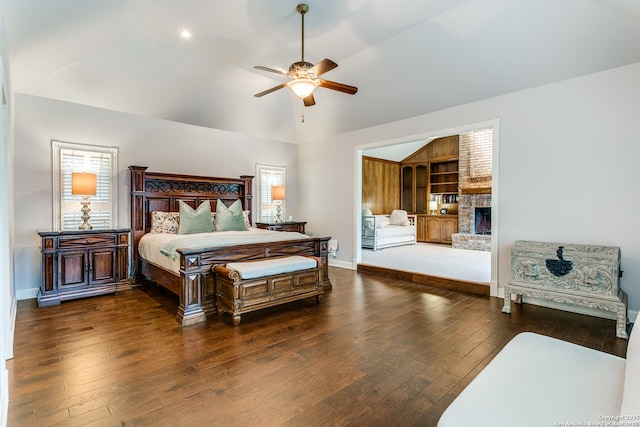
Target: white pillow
[366, 212]
[399, 217]
[381, 221]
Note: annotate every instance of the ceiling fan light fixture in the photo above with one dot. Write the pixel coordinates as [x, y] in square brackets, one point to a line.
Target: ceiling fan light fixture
[302, 86]
[185, 33]
[304, 75]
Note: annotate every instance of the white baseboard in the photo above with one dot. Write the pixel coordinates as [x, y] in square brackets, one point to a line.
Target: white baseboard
[341, 264]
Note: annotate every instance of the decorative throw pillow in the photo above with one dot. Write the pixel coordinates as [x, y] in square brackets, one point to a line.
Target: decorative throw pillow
[381, 221]
[399, 217]
[230, 218]
[164, 222]
[366, 212]
[195, 221]
[247, 219]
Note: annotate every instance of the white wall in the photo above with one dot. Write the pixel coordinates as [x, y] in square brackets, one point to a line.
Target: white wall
[162, 145]
[568, 162]
[8, 304]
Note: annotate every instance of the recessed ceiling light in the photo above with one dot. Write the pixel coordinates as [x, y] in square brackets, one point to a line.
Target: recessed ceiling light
[185, 33]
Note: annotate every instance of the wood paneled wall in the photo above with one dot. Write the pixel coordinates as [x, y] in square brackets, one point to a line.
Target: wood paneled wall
[380, 185]
[445, 148]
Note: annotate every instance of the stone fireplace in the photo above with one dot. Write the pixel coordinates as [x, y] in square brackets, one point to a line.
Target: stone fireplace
[474, 223]
[474, 191]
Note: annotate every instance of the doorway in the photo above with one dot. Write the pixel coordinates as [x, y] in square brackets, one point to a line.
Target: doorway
[442, 255]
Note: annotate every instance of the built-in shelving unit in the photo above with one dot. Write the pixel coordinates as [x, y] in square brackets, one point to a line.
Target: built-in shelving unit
[443, 182]
[431, 174]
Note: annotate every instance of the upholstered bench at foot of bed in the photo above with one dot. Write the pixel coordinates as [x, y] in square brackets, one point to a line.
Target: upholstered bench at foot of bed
[242, 287]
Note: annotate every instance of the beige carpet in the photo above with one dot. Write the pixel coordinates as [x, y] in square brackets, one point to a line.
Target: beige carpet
[434, 260]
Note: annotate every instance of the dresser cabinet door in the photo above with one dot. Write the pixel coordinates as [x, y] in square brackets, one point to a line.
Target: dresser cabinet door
[102, 267]
[73, 268]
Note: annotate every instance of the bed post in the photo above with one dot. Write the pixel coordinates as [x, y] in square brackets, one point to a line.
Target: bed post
[190, 310]
[137, 216]
[248, 193]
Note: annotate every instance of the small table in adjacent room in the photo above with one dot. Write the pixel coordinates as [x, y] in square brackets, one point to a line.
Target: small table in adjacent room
[283, 226]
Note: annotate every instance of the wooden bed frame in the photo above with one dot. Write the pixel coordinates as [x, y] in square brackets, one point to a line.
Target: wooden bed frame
[195, 286]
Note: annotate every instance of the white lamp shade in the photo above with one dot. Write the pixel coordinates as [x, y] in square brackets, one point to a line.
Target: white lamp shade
[433, 205]
[302, 86]
[277, 192]
[83, 184]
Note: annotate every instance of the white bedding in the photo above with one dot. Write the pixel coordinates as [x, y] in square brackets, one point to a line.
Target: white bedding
[151, 244]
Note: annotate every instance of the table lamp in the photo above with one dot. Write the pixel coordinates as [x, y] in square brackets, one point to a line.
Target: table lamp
[84, 184]
[277, 195]
[433, 207]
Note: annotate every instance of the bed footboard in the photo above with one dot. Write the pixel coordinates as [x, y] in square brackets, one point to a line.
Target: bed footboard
[197, 282]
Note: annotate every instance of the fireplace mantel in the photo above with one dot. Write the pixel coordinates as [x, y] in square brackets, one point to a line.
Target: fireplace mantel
[473, 190]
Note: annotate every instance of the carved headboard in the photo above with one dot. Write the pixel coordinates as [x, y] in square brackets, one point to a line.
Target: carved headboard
[155, 191]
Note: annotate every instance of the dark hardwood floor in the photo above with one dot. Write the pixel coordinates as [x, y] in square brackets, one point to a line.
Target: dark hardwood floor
[376, 351]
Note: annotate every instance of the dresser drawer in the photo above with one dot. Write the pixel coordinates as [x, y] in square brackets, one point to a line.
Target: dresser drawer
[87, 241]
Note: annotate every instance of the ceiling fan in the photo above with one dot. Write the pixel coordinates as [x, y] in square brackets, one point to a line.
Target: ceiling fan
[304, 75]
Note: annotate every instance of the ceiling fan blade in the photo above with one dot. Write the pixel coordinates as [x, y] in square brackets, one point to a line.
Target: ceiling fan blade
[322, 67]
[340, 87]
[268, 91]
[309, 100]
[271, 70]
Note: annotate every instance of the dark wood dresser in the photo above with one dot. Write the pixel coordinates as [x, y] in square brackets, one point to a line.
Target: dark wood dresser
[77, 264]
[283, 226]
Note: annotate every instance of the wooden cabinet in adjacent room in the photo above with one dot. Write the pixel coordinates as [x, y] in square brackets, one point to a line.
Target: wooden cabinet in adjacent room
[448, 226]
[436, 228]
[421, 228]
[78, 264]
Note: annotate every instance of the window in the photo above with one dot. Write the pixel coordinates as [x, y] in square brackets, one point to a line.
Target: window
[68, 158]
[268, 176]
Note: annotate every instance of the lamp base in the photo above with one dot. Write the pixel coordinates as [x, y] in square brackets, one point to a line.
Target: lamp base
[85, 214]
[279, 213]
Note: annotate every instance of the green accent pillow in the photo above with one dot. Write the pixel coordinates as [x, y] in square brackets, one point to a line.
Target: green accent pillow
[195, 221]
[229, 218]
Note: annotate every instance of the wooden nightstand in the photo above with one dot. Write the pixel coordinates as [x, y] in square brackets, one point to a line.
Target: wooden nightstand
[283, 226]
[78, 264]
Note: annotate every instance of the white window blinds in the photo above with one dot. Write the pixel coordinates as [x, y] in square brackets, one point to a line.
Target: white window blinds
[268, 176]
[69, 158]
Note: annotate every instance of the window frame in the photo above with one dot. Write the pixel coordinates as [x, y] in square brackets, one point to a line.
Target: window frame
[57, 148]
[262, 205]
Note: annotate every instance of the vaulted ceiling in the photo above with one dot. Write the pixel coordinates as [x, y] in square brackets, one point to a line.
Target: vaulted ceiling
[407, 57]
